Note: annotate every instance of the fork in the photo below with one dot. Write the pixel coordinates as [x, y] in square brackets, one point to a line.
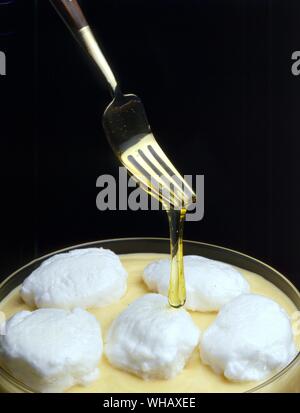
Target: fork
[126, 126]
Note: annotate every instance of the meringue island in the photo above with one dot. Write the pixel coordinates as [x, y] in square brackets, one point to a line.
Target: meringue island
[230, 340]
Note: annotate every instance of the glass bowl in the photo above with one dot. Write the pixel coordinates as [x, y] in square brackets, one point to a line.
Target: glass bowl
[287, 380]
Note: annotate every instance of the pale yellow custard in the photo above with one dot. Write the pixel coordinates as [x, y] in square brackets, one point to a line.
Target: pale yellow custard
[195, 378]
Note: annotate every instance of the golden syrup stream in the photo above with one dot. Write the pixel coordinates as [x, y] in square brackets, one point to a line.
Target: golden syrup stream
[177, 291]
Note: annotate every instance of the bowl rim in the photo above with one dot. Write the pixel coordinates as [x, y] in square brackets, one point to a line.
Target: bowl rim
[20, 385]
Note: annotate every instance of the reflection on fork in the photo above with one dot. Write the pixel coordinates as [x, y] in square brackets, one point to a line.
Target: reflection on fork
[149, 165]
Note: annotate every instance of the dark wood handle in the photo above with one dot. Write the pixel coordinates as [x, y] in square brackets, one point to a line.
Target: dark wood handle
[71, 12]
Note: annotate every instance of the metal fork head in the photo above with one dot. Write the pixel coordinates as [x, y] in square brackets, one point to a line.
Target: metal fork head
[129, 134]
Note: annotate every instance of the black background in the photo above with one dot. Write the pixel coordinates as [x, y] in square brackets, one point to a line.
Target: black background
[215, 78]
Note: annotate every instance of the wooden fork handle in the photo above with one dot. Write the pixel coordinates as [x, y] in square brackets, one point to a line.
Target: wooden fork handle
[71, 11]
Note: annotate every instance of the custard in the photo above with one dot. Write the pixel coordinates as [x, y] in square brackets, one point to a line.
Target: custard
[196, 377]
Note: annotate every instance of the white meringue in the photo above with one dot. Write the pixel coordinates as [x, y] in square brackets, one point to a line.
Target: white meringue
[89, 277]
[51, 349]
[209, 284]
[151, 339]
[250, 338]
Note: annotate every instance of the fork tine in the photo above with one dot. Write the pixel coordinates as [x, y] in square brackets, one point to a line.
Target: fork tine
[175, 180]
[138, 162]
[147, 158]
[159, 152]
[164, 179]
[154, 190]
[145, 178]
